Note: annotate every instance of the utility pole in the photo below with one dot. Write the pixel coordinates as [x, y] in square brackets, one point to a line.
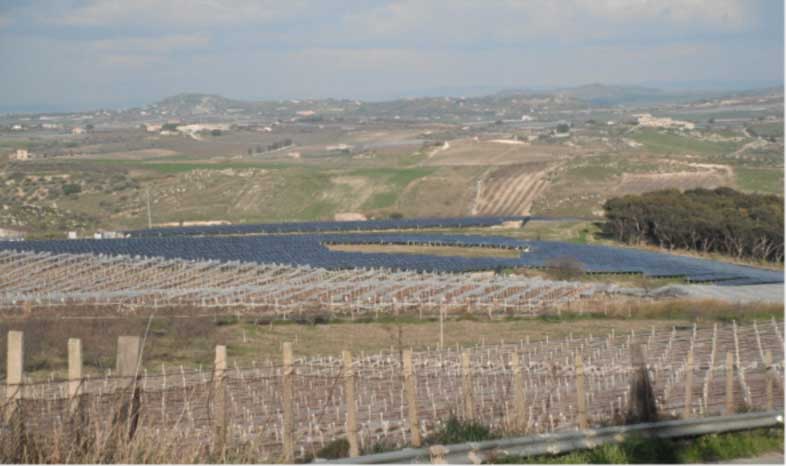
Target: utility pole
[149, 217]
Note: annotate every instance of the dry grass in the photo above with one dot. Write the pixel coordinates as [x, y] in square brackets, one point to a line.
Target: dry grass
[109, 436]
[428, 250]
[190, 341]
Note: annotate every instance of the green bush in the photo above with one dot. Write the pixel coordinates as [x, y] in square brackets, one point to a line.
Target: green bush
[456, 430]
[71, 188]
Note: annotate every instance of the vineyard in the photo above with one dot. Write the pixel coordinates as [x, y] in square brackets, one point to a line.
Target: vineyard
[293, 407]
[279, 291]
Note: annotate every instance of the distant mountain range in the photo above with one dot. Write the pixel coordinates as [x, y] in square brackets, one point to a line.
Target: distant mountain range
[491, 105]
[510, 103]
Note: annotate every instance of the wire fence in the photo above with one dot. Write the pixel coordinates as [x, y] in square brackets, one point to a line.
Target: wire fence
[393, 399]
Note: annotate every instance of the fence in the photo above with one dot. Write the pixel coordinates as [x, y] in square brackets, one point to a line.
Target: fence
[293, 407]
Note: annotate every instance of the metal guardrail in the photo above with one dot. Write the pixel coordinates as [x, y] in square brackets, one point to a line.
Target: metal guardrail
[477, 452]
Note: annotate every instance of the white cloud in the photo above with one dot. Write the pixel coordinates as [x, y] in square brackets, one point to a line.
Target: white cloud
[465, 21]
[137, 50]
[154, 45]
[722, 14]
[180, 13]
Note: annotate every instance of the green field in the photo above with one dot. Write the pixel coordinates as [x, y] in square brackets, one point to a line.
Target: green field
[394, 182]
[677, 144]
[764, 180]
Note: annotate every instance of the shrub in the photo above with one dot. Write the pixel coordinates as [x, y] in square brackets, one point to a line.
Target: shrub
[456, 430]
[72, 188]
[565, 268]
[334, 450]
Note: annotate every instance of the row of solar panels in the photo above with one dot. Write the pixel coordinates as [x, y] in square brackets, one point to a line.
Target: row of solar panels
[317, 227]
[310, 249]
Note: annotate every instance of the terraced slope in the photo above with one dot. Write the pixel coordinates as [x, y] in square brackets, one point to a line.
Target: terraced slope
[510, 190]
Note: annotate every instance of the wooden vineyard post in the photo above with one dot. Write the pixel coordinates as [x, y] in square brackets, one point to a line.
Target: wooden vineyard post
[729, 384]
[219, 399]
[688, 386]
[412, 400]
[127, 368]
[349, 395]
[519, 402]
[127, 356]
[581, 400]
[769, 369]
[288, 398]
[466, 378]
[441, 327]
[13, 372]
[74, 372]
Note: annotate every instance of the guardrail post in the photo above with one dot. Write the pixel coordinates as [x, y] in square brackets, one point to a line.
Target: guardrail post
[219, 399]
[411, 394]
[519, 400]
[581, 401]
[349, 397]
[466, 379]
[770, 369]
[14, 371]
[688, 385]
[729, 384]
[74, 372]
[127, 367]
[288, 398]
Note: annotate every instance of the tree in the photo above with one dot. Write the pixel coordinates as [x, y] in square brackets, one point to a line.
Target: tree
[71, 188]
[721, 220]
[563, 128]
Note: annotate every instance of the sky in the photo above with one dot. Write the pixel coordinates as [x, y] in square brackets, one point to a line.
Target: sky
[87, 54]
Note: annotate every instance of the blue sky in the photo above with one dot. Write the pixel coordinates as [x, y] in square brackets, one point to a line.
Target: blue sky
[86, 54]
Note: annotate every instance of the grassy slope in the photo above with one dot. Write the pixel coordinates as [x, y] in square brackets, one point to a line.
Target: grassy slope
[190, 341]
[763, 180]
[673, 143]
[393, 181]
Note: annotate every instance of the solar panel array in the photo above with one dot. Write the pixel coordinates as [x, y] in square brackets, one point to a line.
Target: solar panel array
[326, 226]
[311, 250]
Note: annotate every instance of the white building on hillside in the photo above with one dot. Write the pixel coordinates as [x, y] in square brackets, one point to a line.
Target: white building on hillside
[20, 154]
[646, 119]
